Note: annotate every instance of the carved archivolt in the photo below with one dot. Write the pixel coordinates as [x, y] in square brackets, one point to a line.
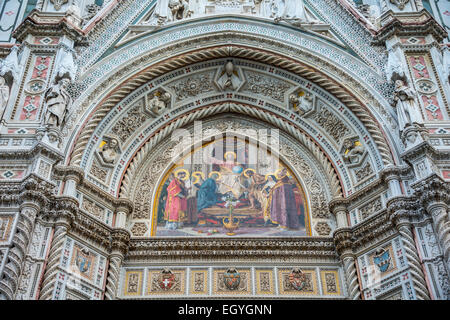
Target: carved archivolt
[138, 160]
[259, 55]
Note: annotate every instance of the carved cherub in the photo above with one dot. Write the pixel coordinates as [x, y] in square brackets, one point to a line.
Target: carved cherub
[303, 104]
[159, 102]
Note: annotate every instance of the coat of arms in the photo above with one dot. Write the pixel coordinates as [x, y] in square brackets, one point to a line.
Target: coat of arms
[232, 279]
[83, 260]
[166, 279]
[297, 279]
[382, 259]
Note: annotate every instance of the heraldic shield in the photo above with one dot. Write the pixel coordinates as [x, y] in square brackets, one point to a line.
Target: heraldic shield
[83, 261]
[166, 279]
[297, 279]
[382, 259]
[232, 279]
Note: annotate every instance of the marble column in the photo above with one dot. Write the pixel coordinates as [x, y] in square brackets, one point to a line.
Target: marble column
[401, 211]
[434, 194]
[62, 219]
[119, 247]
[342, 239]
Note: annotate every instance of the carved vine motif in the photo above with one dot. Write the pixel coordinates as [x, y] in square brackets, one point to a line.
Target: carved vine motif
[331, 123]
[125, 127]
[370, 208]
[259, 84]
[330, 281]
[364, 172]
[192, 86]
[98, 172]
[93, 208]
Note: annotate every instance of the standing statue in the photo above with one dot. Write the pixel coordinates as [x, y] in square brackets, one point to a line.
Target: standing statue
[162, 12]
[407, 108]
[265, 8]
[4, 96]
[394, 68]
[291, 10]
[446, 63]
[57, 101]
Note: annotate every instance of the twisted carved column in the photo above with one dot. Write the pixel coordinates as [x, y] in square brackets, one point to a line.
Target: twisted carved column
[119, 247]
[18, 251]
[342, 239]
[33, 197]
[401, 210]
[62, 218]
[434, 194]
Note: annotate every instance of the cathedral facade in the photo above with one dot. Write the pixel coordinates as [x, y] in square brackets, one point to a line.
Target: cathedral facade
[209, 149]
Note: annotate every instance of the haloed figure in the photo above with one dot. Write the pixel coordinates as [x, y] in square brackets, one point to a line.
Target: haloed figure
[175, 211]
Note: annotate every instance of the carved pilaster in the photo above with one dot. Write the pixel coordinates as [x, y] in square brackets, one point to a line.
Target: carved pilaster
[62, 218]
[119, 247]
[434, 195]
[401, 210]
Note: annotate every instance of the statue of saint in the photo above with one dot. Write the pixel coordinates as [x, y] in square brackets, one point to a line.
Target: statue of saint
[58, 101]
[109, 151]
[291, 10]
[4, 96]
[407, 108]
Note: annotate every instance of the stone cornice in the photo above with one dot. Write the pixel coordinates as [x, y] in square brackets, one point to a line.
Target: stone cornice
[385, 175]
[65, 173]
[49, 24]
[92, 230]
[425, 148]
[408, 24]
[242, 248]
[359, 236]
[38, 148]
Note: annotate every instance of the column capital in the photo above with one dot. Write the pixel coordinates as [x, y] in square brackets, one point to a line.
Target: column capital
[343, 240]
[432, 190]
[402, 209]
[120, 241]
[338, 204]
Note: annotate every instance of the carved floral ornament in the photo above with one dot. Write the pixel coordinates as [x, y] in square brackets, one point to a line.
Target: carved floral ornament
[257, 55]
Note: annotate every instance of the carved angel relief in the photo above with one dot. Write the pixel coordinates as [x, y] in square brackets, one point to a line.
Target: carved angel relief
[301, 102]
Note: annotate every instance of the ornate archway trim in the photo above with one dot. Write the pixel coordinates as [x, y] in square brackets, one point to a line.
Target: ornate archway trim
[310, 73]
[138, 158]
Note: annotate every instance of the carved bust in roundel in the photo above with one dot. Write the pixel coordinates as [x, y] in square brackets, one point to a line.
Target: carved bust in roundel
[110, 150]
